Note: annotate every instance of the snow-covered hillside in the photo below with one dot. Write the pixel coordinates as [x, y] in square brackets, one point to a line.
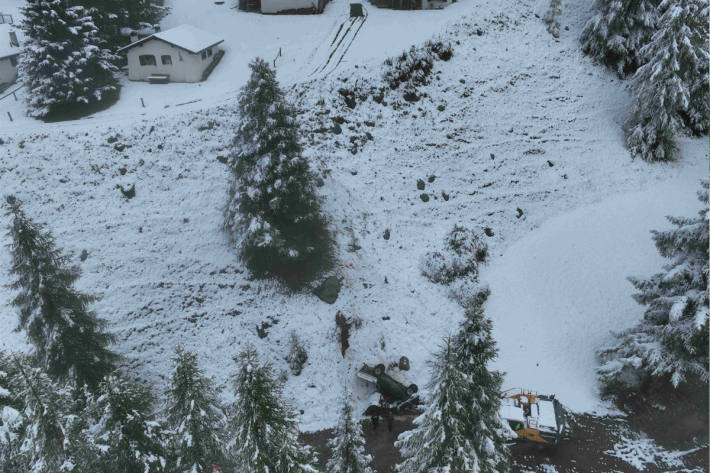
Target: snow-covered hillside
[518, 129]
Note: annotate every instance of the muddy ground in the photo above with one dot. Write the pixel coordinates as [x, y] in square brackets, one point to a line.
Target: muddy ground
[677, 420]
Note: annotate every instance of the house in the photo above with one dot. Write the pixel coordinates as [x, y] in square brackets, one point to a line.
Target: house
[181, 54]
[412, 4]
[9, 54]
[283, 6]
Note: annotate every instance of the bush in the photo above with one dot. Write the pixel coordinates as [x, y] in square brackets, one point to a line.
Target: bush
[297, 355]
[413, 68]
[464, 250]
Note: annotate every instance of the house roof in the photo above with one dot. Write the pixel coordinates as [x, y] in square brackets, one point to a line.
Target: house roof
[186, 37]
[6, 49]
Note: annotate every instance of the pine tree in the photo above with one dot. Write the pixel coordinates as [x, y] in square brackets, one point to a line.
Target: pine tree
[672, 339]
[265, 435]
[65, 63]
[552, 18]
[441, 441]
[124, 429]
[11, 420]
[618, 31]
[665, 86]
[194, 415]
[68, 338]
[475, 350]
[272, 209]
[47, 419]
[348, 444]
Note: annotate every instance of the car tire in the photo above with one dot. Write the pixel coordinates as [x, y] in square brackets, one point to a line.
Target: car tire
[412, 389]
[379, 370]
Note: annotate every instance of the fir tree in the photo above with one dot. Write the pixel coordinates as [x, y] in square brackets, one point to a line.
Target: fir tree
[475, 350]
[123, 427]
[65, 62]
[552, 18]
[348, 444]
[68, 338]
[265, 435]
[441, 441]
[272, 207]
[194, 415]
[46, 421]
[667, 87]
[11, 420]
[672, 339]
[618, 31]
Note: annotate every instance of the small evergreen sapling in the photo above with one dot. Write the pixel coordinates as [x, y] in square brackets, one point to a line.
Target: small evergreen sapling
[348, 444]
[195, 417]
[297, 355]
[65, 62]
[263, 427]
[668, 87]
[272, 211]
[672, 339]
[68, 338]
[552, 18]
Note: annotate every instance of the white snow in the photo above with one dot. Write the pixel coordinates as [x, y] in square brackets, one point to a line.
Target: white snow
[559, 292]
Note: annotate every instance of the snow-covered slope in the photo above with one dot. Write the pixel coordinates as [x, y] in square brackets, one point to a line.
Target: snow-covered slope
[518, 129]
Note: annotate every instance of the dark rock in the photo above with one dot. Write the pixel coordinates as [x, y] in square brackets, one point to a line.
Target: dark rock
[488, 231]
[386, 234]
[222, 159]
[441, 108]
[420, 184]
[319, 182]
[425, 197]
[128, 193]
[493, 156]
[119, 147]
[336, 129]
[431, 179]
[410, 96]
[84, 254]
[339, 120]
[479, 32]
[550, 163]
[112, 139]
[520, 212]
[369, 136]
[160, 146]
[369, 123]
[328, 290]
[445, 196]
[122, 171]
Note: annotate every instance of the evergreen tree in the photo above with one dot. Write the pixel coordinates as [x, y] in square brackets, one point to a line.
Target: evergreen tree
[667, 87]
[672, 338]
[65, 63]
[46, 421]
[552, 18]
[475, 350]
[122, 426]
[441, 441]
[618, 31]
[265, 435]
[195, 416]
[272, 207]
[11, 419]
[68, 338]
[348, 444]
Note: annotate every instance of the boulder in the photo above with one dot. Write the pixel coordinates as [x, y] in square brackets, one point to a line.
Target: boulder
[328, 290]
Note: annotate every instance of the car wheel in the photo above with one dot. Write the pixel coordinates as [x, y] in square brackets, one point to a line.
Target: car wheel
[412, 389]
[379, 370]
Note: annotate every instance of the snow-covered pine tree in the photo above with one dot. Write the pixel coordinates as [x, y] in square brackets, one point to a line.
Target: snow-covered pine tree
[195, 417]
[273, 212]
[68, 338]
[11, 420]
[672, 339]
[348, 444]
[441, 440]
[46, 420]
[617, 32]
[262, 424]
[65, 64]
[676, 62]
[475, 349]
[122, 426]
[552, 18]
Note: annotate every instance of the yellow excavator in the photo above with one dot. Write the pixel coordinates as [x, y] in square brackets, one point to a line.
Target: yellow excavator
[533, 417]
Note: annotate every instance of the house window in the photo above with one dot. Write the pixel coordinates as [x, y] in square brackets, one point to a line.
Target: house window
[146, 60]
[209, 52]
[13, 61]
[167, 60]
[204, 55]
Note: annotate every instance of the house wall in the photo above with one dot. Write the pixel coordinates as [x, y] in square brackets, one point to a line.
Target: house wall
[186, 67]
[276, 6]
[8, 72]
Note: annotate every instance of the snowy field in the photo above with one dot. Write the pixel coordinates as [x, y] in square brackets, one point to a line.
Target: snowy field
[519, 129]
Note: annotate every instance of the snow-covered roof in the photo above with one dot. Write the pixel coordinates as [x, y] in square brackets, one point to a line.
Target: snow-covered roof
[186, 37]
[6, 49]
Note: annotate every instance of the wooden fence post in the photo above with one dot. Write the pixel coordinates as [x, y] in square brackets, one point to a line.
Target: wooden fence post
[142, 102]
[8, 114]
